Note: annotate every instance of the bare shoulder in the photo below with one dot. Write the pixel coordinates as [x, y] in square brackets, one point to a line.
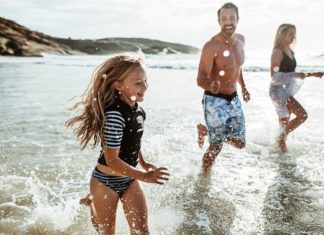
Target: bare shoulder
[241, 38]
[211, 46]
[276, 53]
[211, 43]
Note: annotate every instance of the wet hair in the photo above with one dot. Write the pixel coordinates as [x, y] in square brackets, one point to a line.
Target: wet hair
[228, 5]
[100, 94]
[281, 33]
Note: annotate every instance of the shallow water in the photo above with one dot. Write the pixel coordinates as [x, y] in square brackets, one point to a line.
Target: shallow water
[251, 191]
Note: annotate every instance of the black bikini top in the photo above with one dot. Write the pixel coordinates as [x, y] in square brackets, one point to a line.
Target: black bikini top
[287, 64]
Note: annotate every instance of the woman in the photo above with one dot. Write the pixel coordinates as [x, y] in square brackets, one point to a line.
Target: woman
[284, 83]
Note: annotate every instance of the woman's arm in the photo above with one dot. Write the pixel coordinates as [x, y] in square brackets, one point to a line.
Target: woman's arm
[281, 78]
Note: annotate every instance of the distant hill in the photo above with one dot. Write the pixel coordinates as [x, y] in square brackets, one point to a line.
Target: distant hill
[18, 40]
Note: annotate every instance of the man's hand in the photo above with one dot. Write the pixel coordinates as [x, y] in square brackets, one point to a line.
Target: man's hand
[246, 95]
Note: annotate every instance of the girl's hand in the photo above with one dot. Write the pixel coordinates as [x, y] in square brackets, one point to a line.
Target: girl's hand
[156, 176]
[148, 166]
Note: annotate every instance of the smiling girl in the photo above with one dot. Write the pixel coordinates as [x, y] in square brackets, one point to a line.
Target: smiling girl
[111, 116]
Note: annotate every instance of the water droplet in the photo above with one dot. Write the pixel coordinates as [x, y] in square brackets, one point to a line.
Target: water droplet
[105, 197]
[276, 69]
[226, 53]
[221, 73]
[215, 54]
[133, 98]
[104, 76]
[94, 99]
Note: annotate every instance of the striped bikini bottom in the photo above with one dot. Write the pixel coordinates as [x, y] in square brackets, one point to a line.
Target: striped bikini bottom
[117, 183]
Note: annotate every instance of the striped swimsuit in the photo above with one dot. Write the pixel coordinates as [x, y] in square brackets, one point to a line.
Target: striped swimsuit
[123, 129]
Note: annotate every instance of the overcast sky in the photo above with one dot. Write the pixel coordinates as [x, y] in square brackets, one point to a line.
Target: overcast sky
[185, 21]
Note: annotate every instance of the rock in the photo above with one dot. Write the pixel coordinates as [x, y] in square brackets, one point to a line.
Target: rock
[17, 40]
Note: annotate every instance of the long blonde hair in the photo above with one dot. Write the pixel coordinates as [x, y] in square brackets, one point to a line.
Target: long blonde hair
[281, 33]
[100, 94]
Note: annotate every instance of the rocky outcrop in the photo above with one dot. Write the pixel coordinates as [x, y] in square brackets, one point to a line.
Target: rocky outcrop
[17, 40]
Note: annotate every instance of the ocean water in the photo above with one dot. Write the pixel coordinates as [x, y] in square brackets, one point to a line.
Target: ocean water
[251, 191]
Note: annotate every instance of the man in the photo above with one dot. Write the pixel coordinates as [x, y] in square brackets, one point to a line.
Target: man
[219, 71]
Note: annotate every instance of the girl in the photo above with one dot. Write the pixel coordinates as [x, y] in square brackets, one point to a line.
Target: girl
[111, 116]
[284, 83]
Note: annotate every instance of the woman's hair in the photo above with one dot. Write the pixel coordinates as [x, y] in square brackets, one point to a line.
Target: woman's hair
[281, 33]
[100, 94]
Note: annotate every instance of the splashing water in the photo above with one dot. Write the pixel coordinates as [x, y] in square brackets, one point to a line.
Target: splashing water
[276, 69]
[226, 53]
[133, 98]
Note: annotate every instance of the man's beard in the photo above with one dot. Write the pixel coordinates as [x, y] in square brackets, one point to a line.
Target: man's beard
[228, 32]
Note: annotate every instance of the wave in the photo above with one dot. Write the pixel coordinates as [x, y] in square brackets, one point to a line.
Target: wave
[177, 62]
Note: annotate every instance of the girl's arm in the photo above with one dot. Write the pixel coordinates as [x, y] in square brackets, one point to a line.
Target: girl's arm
[154, 176]
[146, 166]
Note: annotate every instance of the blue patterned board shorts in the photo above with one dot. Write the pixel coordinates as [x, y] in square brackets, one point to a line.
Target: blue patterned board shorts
[224, 118]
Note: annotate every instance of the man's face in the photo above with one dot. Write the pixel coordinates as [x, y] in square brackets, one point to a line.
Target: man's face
[228, 21]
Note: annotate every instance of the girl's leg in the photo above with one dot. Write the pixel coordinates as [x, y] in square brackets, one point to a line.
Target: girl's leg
[103, 207]
[135, 209]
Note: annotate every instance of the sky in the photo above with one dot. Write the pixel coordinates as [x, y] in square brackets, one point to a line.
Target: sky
[190, 22]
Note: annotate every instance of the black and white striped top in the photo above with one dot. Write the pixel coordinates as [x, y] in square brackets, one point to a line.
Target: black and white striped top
[113, 129]
[123, 128]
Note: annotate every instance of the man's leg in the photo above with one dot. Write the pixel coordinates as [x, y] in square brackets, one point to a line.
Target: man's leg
[209, 157]
[202, 132]
[236, 142]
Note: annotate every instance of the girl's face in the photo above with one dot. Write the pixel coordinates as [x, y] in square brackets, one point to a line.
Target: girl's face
[290, 36]
[133, 87]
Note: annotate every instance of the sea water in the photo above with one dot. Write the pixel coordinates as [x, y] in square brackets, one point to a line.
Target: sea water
[256, 190]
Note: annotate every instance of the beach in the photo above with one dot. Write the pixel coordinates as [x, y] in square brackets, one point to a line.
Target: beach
[256, 190]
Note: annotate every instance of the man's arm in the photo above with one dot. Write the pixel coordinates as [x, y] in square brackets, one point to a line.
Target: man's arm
[205, 67]
[245, 93]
